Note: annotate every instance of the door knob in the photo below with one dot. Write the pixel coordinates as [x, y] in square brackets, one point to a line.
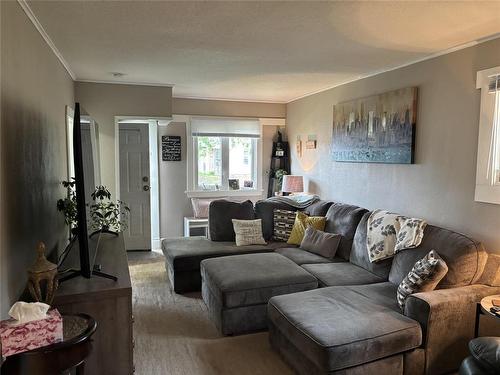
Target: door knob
[145, 179]
[145, 187]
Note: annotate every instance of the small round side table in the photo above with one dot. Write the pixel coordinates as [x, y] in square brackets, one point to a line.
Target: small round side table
[57, 358]
[483, 308]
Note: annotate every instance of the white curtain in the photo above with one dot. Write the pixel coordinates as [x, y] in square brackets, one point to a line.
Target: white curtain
[494, 154]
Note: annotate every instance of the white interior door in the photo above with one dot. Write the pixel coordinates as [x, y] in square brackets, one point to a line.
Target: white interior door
[135, 186]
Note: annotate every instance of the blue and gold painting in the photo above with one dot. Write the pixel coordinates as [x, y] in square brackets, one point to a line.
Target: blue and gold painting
[376, 129]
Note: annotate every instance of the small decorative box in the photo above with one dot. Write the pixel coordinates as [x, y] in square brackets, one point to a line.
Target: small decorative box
[28, 336]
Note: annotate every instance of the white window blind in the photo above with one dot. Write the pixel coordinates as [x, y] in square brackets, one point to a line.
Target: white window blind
[225, 127]
[494, 84]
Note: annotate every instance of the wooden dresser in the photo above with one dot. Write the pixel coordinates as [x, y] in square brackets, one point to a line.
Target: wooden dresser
[109, 303]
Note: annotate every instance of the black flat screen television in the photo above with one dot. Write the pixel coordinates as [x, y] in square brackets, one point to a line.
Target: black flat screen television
[85, 164]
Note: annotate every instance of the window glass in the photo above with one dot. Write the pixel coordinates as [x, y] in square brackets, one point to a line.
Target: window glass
[209, 163]
[241, 162]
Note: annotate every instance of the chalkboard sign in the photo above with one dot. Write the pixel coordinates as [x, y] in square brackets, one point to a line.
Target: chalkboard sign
[171, 148]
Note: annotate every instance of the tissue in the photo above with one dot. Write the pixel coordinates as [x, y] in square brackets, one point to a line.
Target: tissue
[24, 312]
[20, 337]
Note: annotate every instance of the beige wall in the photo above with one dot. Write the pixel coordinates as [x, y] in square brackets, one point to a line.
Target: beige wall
[174, 204]
[35, 89]
[105, 101]
[227, 108]
[440, 185]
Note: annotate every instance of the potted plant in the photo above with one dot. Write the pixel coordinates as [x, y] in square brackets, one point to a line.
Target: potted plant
[278, 174]
[107, 215]
[68, 205]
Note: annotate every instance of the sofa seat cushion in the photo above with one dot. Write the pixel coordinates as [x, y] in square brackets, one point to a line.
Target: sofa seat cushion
[186, 253]
[380, 293]
[342, 273]
[339, 327]
[252, 279]
[300, 256]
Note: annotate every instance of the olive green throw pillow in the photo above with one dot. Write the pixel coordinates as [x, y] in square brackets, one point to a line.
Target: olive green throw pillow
[302, 221]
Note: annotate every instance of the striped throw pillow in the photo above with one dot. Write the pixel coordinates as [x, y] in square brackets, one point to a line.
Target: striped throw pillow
[423, 277]
[283, 224]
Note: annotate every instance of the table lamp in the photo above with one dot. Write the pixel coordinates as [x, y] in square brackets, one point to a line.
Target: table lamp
[292, 184]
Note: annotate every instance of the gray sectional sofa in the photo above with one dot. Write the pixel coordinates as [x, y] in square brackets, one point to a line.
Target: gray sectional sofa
[184, 255]
[336, 315]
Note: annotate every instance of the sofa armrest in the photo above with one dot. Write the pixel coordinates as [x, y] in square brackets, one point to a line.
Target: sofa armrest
[447, 318]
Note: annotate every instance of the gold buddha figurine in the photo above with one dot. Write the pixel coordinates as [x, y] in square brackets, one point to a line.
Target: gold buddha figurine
[42, 272]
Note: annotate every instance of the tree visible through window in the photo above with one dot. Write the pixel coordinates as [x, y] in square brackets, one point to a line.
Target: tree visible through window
[240, 167]
[209, 163]
[220, 159]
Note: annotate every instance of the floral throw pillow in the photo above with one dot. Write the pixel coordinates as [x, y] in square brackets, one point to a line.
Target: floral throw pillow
[410, 233]
[423, 277]
[381, 235]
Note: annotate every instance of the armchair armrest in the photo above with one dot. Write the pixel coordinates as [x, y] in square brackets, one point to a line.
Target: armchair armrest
[447, 318]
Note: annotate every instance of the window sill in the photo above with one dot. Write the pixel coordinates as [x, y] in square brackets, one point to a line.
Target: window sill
[223, 193]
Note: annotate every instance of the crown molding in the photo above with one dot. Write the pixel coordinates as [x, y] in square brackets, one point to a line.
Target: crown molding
[228, 99]
[425, 58]
[133, 83]
[29, 12]
[26, 8]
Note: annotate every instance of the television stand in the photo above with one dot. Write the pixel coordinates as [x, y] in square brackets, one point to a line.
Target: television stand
[109, 303]
[97, 272]
[69, 257]
[106, 231]
[72, 273]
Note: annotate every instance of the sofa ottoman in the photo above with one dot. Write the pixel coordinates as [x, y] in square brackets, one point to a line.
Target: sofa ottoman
[184, 254]
[236, 289]
[347, 329]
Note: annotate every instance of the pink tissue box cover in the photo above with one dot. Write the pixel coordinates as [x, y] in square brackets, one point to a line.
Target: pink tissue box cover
[31, 335]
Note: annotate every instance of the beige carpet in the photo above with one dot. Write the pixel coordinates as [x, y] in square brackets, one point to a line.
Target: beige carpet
[174, 336]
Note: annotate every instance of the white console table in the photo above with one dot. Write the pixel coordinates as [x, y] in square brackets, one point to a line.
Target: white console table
[193, 223]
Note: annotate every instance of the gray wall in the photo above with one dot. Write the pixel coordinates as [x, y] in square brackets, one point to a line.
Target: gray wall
[440, 185]
[105, 101]
[35, 89]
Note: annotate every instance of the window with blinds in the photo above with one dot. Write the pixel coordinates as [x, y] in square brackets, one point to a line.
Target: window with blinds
[488, 153]
[225, 153]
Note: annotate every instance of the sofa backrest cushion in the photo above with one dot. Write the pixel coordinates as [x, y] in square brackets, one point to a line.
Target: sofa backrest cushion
[220, 216]
[343, 219]
[318, 208]
[264, 210]
[359, 252]
[464, 257]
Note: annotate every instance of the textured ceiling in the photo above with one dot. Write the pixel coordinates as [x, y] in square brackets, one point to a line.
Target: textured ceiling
[270, 51]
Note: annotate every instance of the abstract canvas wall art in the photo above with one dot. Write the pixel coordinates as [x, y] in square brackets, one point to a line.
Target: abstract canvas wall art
[376, 129]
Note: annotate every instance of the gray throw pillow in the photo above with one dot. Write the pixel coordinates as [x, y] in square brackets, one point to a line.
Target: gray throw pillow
[283, 224]
[423, 277]
[321, 243]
